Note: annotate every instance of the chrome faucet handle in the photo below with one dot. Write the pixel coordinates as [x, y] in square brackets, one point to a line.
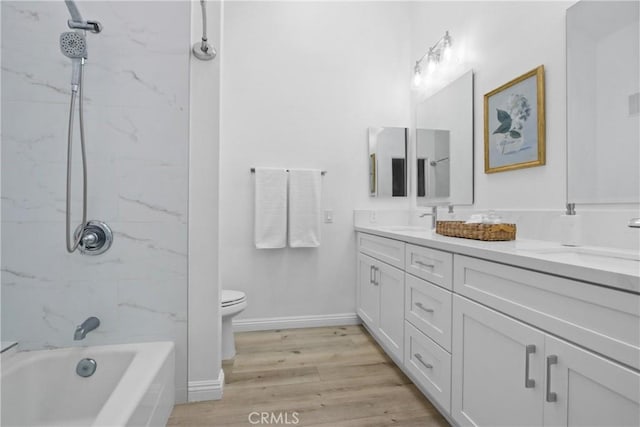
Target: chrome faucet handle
[634, 223]
[433, 215]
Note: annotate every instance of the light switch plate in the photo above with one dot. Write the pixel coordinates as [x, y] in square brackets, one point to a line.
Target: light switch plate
[634, 104]
[328, 216]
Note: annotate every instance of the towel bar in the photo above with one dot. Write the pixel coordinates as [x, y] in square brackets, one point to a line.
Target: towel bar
[253, 170]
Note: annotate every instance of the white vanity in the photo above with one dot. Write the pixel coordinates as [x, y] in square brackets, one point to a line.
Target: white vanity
[506, 333]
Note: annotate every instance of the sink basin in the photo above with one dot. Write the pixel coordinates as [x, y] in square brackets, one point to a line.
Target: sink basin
[589, 253]
[403, 228]
[626, 261]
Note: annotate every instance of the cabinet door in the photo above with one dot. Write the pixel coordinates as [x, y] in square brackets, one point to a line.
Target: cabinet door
[391, 318]
[497, 368]
[368, 291]
[586, 389]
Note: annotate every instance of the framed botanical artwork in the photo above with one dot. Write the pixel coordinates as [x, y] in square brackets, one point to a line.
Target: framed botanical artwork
[514, 125]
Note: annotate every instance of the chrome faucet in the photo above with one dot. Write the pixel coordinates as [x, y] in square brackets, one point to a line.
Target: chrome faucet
[433, 215]
[87, 326]
[634, 223]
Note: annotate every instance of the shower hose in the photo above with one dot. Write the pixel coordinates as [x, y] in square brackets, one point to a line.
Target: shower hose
[72, 243]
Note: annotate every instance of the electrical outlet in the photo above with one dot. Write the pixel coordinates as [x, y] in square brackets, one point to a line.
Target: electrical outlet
[372, 217]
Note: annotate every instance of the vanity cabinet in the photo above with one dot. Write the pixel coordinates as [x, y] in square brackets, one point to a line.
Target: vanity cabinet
[588, 389]
[508, 373]
[498, 366]
[496, 344]
[380, 301]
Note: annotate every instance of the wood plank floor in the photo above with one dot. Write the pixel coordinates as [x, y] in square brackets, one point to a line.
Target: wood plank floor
[334, 376]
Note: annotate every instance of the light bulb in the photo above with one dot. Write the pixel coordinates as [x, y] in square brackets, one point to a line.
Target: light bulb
[431, 66]
[447, 53]
[417, 78]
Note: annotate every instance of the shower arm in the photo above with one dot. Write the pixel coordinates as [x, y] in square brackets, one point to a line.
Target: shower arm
[203, 50]
[77, 23]
[204, 46]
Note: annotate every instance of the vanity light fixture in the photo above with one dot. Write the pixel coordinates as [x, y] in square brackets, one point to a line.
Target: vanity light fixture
[440, 51]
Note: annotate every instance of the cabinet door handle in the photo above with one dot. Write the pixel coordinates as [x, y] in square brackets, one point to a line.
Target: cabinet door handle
[371, 275]
[428, 310]
[426, 365]
[424, 264]
[528, 382]
[375, 271]
[551, 396]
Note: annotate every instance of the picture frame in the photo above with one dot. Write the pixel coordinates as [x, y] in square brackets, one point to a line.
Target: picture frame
[514, 124]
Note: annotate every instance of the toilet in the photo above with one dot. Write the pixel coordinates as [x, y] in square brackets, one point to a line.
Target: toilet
[233, 302]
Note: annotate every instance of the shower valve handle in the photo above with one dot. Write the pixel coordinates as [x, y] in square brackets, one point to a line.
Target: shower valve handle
[89, 239]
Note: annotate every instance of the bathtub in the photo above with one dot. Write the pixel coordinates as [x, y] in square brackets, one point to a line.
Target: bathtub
[133, 385]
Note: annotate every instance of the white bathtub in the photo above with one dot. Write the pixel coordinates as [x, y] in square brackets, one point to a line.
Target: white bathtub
[133, 385]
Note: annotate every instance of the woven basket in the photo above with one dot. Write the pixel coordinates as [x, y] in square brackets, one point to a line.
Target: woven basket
[488, 232]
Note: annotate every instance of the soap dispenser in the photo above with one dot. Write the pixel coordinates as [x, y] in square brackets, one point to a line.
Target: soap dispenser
[570, 227]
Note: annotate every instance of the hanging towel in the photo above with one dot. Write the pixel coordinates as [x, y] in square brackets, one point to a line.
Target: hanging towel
[271, 208]
[304, 208]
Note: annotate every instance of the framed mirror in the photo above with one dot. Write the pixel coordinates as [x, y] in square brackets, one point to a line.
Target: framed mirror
[388, 162]
[444, 145]
[603, 102]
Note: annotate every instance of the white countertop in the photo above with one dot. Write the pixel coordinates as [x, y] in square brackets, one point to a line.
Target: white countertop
[617, 270]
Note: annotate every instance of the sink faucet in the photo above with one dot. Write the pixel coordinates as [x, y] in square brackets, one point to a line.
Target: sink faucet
[433, 215]
[634, 223]
[87, 326]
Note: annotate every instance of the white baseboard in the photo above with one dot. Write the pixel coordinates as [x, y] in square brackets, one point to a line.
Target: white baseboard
[292, 322]
[206, 390]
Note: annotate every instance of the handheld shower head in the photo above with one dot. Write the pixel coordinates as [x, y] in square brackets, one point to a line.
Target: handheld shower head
[74, 45]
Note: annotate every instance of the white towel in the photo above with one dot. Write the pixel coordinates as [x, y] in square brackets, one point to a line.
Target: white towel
[305, 188]
[271, 208]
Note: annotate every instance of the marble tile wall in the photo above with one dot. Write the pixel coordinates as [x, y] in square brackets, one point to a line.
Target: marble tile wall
[137, 125]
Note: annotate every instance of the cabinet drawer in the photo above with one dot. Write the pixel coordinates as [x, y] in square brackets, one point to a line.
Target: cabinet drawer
[429, 264]
[428, 308]
[604, 320]
[429, 364]
[387, 250]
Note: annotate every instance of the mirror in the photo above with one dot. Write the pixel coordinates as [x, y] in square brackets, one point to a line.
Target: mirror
[388, 162]
[603, 102]
[444, 145]
[433, 158]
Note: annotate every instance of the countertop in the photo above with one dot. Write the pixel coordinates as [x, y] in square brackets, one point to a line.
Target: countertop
[617, 269]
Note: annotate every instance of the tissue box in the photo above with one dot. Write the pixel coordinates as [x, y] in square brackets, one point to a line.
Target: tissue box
[487, 232]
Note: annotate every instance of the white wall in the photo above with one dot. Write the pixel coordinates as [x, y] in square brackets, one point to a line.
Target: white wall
[204, 145]
[501, 41]
[137, 114]
[302, 83]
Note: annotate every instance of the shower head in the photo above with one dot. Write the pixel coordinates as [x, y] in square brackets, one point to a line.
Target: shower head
[73, 45]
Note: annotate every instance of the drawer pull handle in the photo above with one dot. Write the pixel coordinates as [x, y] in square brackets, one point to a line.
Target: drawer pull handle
[528, 382]
[371, 275]
[428, 310]
[551, 396]
[375, 270]
[424, 264]
[426, 365]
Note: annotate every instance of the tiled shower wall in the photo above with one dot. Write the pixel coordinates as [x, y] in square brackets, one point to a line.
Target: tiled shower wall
[137, 125]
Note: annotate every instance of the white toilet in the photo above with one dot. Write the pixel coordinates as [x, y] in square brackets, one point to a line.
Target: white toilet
[233, 302]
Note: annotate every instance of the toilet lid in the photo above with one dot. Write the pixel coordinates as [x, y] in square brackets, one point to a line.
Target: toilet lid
[230, 297]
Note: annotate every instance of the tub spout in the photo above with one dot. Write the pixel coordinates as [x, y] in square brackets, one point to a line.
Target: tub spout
[87, 326]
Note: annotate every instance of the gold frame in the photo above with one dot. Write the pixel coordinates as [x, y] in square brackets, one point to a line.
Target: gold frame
[373, 179]
[539, 74]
